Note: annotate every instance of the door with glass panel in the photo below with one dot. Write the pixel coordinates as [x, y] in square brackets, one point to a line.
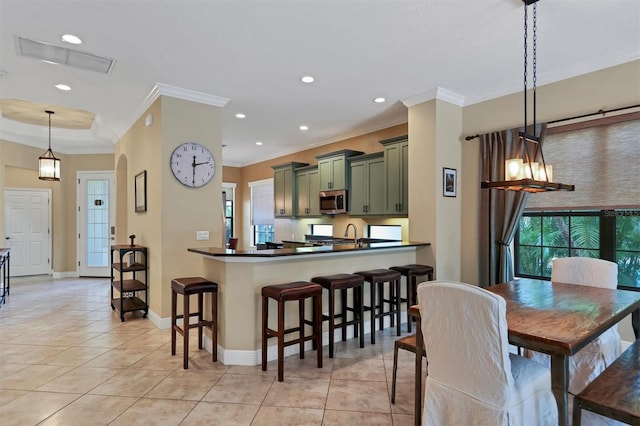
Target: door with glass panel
[96, 213]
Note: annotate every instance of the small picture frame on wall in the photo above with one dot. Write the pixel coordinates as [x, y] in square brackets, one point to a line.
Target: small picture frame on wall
[140, 190]
[449, 182]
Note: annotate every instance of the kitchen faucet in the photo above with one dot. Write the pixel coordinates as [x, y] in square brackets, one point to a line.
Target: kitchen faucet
[355, 232]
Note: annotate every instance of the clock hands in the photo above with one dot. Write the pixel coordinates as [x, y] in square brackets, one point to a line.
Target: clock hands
[193, 166]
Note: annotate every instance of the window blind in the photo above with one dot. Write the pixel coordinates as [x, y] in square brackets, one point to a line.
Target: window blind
[600, 160]
[262, 202]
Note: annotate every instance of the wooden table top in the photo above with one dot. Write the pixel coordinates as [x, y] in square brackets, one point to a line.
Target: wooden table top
[561, 318]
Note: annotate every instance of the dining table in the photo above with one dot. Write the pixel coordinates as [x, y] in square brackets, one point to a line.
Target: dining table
[554, 318]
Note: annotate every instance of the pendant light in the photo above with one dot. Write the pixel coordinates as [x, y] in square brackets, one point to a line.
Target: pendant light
[528, 172]
[48, 164]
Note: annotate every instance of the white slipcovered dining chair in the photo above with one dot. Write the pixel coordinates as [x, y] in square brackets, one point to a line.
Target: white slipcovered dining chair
[591, 360]
[473, 379]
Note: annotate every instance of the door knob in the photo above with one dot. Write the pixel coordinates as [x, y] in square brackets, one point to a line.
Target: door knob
[7, 238]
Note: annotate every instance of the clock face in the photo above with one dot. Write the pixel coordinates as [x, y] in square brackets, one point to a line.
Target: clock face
[192, 164]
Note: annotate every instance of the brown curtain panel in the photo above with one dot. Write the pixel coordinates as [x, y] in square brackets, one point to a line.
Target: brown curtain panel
[500, 210]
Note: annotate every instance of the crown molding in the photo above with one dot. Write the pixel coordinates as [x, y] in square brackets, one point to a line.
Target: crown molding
[439, 93]
[191, 95]
[161, 89]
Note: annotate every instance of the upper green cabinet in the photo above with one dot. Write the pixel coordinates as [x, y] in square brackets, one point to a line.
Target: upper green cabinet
[396, 172]
[308, 185]
[284, 188]
[333, 169]
[366, 196]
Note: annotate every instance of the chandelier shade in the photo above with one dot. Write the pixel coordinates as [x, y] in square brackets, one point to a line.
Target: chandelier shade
[48, 163]
[528, 171]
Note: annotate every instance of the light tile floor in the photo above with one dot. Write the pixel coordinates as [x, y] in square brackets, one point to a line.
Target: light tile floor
[67, 359]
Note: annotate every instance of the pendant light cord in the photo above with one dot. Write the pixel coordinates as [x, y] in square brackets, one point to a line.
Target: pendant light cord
[49, 112]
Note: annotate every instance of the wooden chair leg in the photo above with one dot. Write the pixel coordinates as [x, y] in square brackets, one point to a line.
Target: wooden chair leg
[317, 322]
[359, 305]
[174, 320]
[398, 304]
[577, 413]
[200, 318]
[280, 341]
[372, 301]
[185, 331]
[343, 312]
[214, 326]
[332, 321]
[301, 326]
[265, 335]
[395, 373]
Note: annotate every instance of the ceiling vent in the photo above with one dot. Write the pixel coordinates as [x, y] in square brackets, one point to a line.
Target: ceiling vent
[64, 56]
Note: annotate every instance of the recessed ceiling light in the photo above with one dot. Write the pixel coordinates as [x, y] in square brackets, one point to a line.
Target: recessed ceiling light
[240, 115]
[307, 79]
[64, 87]
[304, 128]
[70, 38]
[379, 100]
[258, 143]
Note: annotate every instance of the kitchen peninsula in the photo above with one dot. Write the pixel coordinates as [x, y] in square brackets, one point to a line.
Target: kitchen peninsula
[241, 274]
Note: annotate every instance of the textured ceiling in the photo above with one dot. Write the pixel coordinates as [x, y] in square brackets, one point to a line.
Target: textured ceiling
[254, 53]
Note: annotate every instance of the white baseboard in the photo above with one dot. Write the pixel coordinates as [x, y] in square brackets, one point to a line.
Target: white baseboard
[161, 323]
[67, 274]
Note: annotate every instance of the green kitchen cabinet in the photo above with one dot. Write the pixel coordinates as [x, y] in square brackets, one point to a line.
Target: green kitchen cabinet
[367, 195]
[396, 172]
[333, 169]
[284, 189]
[308, 184]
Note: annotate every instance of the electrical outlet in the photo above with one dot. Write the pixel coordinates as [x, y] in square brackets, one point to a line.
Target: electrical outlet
[202, 235]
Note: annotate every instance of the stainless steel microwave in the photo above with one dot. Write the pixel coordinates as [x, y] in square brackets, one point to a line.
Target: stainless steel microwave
[333, 202]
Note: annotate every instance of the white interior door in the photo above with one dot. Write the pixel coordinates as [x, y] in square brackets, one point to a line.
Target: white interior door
[96, 232]
[28, 230]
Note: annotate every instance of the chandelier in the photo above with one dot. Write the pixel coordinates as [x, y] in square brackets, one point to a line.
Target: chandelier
[48, 164]
[528, 171]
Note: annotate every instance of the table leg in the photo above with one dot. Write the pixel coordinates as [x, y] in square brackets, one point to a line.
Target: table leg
[560, 386]
[418, 374]
[635, 322]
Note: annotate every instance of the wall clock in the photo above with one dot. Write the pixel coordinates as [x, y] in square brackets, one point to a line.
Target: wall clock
[192, 164]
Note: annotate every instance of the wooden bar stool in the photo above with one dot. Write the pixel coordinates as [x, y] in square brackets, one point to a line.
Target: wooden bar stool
[412, 272]
[343, 282]
[377, 278]
[186, 287]
[281, 293]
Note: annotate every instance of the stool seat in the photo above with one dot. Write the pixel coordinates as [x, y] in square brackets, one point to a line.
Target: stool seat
[382, 275]
[188, 286]
[341, 283]
[412, 272]
[192, 285]
[295, 291]
[292, 291]
[414, 269]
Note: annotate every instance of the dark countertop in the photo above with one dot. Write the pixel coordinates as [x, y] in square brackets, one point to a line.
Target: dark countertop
[337, 248]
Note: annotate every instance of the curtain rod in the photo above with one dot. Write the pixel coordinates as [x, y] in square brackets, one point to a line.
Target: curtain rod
[575, 117]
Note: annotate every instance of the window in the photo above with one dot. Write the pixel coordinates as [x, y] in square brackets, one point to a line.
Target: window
[228, 198]
[322, 230]
[607, 234]
[262, 207]
[386, 232]
[228, 218]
